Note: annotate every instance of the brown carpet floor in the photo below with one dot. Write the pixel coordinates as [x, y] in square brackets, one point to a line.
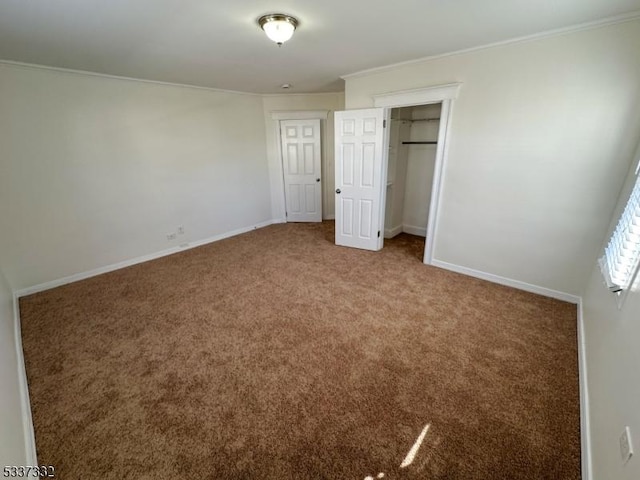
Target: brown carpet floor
[277, 355]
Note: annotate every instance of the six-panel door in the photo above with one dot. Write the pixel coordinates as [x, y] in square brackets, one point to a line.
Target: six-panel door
[301, 161]
[359, 139]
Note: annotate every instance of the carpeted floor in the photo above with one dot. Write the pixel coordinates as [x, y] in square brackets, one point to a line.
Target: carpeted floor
[277, 355]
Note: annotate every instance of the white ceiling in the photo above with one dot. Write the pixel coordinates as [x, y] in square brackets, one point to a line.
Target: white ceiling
[217, 43]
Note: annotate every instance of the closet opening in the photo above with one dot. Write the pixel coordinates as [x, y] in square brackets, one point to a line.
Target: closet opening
[413, 143]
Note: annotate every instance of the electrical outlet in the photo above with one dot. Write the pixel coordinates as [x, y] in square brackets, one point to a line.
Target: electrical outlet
[626, 447]
[180, 230]
[171, 236]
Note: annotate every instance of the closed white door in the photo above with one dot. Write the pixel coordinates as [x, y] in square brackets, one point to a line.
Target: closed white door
[360, 177]
[301, 162]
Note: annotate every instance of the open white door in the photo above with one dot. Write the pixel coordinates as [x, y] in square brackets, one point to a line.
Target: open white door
[360, 177]
[301, 164]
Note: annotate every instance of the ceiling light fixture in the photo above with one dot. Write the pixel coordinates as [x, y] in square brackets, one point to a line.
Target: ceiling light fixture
[278, 26]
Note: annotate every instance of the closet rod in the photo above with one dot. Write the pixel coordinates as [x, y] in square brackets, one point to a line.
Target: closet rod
[411, 120]
[419, 143]
[425, 119]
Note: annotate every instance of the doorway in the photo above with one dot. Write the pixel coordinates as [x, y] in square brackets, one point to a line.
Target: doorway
[413, 139]
[361, 151]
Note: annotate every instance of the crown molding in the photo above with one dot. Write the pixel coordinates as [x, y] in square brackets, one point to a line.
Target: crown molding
[627, 17]
[87, 73]
[36, 66]
[418, 96]
[299, 114]
[301, 94]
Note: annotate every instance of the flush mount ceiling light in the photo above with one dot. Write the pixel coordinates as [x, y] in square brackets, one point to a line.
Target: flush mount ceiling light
[278, 26]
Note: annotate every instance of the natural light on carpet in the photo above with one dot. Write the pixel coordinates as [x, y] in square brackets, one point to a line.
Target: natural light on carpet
[408, 460]
[380, 475]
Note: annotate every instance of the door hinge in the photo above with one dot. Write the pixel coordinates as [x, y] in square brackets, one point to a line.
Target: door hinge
[384, 124]
[378, 233]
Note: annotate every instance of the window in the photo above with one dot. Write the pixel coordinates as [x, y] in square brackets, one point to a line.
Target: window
[621, 258]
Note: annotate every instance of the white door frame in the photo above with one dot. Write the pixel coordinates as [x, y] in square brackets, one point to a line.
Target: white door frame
[277, 116]
[445, 94]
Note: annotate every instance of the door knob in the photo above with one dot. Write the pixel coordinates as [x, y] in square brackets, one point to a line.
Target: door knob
[317, 179]
[338, 191]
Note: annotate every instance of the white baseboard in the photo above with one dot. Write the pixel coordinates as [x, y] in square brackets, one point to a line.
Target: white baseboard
[27, 421]
[134, 261]
[329, 217]
[392, 232]
[413, 230]
[527, 287]
[29, 435]
[585, 430]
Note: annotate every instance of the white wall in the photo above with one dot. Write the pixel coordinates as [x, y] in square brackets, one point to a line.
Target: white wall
[279, 103]
[97, 170]
[12, 441]
[613, 359]
[540, 137]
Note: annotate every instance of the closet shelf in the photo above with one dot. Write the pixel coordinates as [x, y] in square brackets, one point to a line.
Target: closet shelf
[419, 143]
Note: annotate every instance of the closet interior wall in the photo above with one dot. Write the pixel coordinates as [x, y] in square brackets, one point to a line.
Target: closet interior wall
[410, 169]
